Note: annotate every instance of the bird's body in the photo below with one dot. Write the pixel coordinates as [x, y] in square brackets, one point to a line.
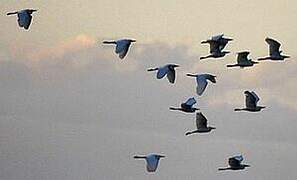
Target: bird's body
[152, 161]
[201, 80]
[186, 106]
[251, 101]
[274, 51]
[243, 61]
[167, 70]
[235, 163]
[217, 44]
[24, 17]
[201, 125]
[122, 46]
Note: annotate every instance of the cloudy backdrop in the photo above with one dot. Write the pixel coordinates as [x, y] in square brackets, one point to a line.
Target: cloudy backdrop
[71, 110]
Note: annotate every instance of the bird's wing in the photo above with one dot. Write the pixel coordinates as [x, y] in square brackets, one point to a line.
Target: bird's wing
[250, 100]
[242, 57]
[191, 101]
[122, 48]
[273, 46]
[238, 158]
[217, 37]
[214, 46]
[171, 75]
[233, 162]
[201, 121]
[255, 96]
[222, 44]
[152, 163]
[162, 71]
[201, 84]
[124, 52]
[24, 19]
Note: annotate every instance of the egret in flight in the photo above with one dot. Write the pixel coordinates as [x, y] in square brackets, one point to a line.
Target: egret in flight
[122, 46]
[217, 44]
[24, 17]
[202, 81]
[274, 52]
[201, 124]
[152, 161]
[186, 106]
[251, 100]
[168, 70]
[242, 60]
[235, 163]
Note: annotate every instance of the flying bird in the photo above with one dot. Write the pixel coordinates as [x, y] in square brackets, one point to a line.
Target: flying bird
[235, 163]
[152, 161]
[24, 17]
[243, 61]
[251, 100]
[167, 70]
[217, 44]
[274, 52]
[202, 81]
[201, 124]
[122, 46]
[186, 106]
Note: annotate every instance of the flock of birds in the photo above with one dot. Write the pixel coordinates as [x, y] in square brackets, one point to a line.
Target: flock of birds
[217, 44]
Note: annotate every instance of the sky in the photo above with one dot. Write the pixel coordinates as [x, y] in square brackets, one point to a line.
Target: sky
[71, 109]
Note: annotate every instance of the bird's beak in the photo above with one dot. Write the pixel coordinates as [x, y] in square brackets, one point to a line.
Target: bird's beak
[133, 40]
[176, 65]
[229, 39]
[161, 156]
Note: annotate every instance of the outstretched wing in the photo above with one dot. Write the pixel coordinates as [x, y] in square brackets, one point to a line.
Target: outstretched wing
[191, 101]
[214, 46]
[201, 84]
[273, 46]
[24, 19]
[201, 121]
[171, 75]
[251, 99]
[242, 57]
[162, 71]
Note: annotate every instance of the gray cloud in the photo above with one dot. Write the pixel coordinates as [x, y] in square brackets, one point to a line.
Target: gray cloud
[75, 111]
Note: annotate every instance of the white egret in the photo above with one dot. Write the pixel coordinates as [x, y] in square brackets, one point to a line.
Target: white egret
[202, 81]
[186, 106]
[24, 17]
[201, 124]
[274, 52]
[235, 163]
[152, 161]
[168, 70]
[251, 100]
[217, 44]
[122, 46]
[242, 60]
